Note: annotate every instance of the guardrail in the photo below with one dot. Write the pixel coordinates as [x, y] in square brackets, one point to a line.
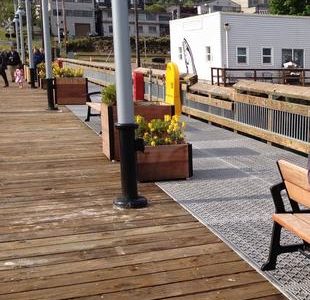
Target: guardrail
[229, 76]
[271, 115]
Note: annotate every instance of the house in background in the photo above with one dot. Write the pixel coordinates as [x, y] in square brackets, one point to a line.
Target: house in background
[253, 6]
[234, 40]
[218, 5]
[79, 17]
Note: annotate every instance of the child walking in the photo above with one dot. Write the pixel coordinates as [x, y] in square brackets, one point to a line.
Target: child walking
[19, 76]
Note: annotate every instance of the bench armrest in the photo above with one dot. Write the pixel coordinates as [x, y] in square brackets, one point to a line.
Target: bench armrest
[91, 94]
[277, 198]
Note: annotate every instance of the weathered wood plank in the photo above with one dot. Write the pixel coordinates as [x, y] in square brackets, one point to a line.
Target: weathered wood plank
[61, 237]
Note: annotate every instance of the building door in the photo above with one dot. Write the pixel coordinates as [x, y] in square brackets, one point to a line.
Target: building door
[82, 29]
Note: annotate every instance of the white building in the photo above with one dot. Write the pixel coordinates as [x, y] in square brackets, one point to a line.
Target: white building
[234, 40]
[150, 24]
[80, 16]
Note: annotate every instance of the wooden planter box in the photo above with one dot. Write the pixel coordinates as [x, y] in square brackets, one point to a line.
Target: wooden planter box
[71, 91]
[165, 162]
[110, 135]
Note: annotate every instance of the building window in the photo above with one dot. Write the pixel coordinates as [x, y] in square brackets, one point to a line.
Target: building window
[150, 17]
[152, 29]
[242, 55]
[140, 28]
[180, 53]
[267, 56]
[208, 53]
[293, 55]
[110, 29]
[164, 18]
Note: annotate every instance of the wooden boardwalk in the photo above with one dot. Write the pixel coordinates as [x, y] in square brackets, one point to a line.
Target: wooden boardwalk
[61, 238]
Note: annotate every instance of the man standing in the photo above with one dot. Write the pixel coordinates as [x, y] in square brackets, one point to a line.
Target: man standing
[13, 62]
[3, 62]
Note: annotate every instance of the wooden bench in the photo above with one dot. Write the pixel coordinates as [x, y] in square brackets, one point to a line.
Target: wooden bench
[297, 220]
[92, 105]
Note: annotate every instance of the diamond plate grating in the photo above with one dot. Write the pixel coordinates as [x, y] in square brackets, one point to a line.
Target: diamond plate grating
[229, 193]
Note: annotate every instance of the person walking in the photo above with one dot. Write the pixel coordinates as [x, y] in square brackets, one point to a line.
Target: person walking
[14, 61]
[3, 64]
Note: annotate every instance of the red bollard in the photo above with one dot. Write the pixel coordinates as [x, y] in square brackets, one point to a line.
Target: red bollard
[138, 86]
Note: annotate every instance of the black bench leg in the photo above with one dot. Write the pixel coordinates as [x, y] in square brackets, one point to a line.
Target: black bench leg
[275, 248]
[88, 114]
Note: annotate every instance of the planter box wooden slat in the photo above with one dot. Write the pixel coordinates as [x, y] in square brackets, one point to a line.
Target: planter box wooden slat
[165, 162]
[71, 91]
[110, 135]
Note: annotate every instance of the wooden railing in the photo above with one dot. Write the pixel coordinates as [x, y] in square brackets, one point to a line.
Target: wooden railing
[255, 112]
[229, 76]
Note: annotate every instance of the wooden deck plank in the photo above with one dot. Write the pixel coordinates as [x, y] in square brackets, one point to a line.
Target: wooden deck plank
[61, 238]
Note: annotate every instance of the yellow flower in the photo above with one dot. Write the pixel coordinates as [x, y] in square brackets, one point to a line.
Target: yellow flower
[153, 144]
[176, 118]
[167, 140]
[168, 131]
[183, 124]
[167, 118]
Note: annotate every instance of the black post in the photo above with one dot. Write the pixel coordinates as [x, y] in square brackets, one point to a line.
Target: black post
[32, 77]
[129, 198]
[50, 94]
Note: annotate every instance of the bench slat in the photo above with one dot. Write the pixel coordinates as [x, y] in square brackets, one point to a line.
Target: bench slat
[299, 224]
[94, 105]
[294, 174]
[298, 194]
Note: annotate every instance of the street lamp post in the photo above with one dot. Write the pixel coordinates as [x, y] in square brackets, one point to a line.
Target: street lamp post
[29, 38]
[48, 55]
[125, 111]
[138, 61]
[15, 20]
[58, 23]
[20, 13]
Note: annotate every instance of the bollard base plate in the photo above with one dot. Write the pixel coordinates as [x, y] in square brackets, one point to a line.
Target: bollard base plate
[123, 203]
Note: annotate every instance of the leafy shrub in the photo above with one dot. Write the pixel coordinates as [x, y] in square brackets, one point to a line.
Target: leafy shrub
[108, 95]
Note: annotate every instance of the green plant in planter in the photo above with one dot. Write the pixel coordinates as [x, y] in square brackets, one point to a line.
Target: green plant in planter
[108, 95]
[168, 131]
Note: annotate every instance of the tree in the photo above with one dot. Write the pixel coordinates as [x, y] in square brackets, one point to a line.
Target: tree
[6, 11]
[290, 7]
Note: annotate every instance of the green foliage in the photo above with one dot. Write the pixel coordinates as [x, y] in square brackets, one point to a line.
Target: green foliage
[6, 11]
[105, 44]
[84, 44]
[155, 8]
[108, 95]
[290, 7]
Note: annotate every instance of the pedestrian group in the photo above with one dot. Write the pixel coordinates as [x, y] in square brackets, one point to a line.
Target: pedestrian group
[10, 61]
